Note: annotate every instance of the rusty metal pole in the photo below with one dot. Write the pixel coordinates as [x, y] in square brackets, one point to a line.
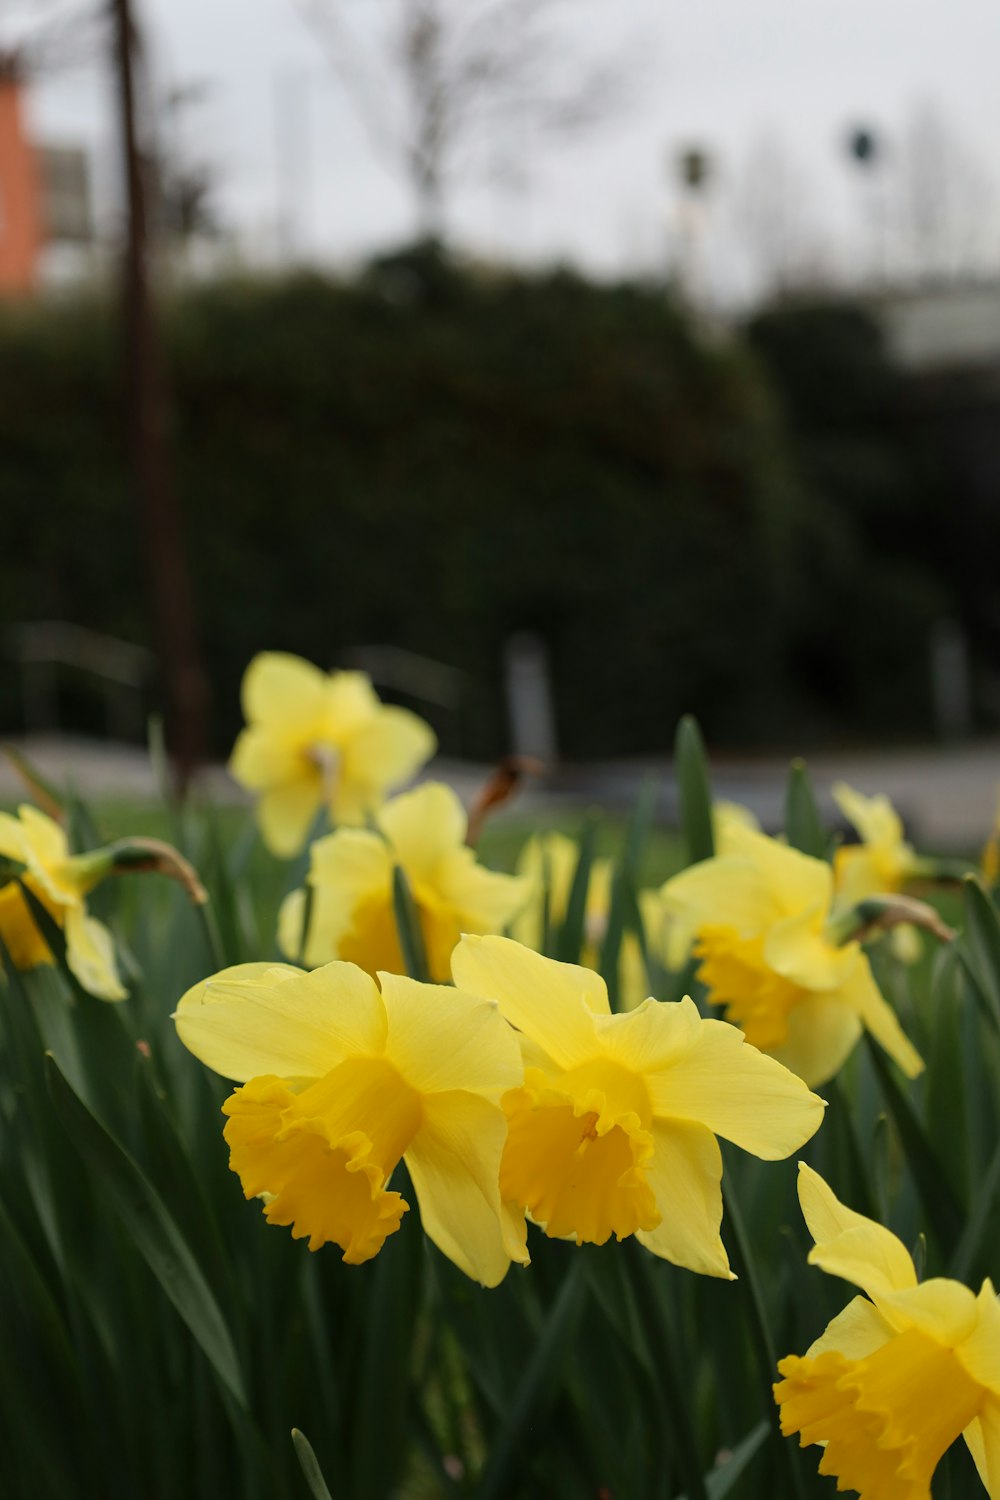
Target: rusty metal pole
[182, 678]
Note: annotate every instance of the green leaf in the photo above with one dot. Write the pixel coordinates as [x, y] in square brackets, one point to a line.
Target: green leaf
[674, 1409]
[942, 1208]
[383, 1381]
[309, 1464]
[979, 947]
[150, 1228]
[760, 1327]
[532, 1401]
[694, 791]
[411, 937]
[802, 820]
[720, 1480]
[569, 943]
[640, 824]
[974, 1235]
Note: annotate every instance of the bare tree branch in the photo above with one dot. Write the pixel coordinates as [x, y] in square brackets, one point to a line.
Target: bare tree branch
[451, 89]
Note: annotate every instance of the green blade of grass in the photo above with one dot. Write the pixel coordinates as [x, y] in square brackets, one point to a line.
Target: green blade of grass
[150, 1228]
[309, 1464]
[411, 937]
[802, 820]
[694, 791]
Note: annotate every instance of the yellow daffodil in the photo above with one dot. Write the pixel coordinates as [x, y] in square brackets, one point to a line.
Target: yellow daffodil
[769, 954]
[36, 847]
[883, 861]
[899, 1374]
[351, 876]
[614, 1128]
[341, 1081]
[315, 739]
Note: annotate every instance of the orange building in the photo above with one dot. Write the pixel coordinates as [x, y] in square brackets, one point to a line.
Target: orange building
[21, 228]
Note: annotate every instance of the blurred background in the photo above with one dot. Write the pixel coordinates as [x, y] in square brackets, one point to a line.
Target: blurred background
[567, 367]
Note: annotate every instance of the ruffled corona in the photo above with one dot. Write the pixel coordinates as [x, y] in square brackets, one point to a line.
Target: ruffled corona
[893, 1381]
[613, 1131]
[323, 1156]
[886, 1421]
[576, 1163]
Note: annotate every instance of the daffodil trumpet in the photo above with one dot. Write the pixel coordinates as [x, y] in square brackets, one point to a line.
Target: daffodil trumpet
[901, 1373]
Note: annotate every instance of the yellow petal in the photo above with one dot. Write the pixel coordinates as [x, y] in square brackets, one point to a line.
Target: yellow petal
[352, 913]
[454, 1161]
[483, 900]
[875, 818]
[723, 891]
[980, 1352]
[381, 754]
[794, 880]
[860, 873]
[442, 1039]
[797, 950]
[863, 995]
[350, 704]
[44, 840]
[283, 690]
[719, 1081]
[855, 1333]
[685, 1175]
[286, 813]
[11, 838]
[554, 1004]
[90, 953]
[849, 1245]
[943, 1309]
[423, 826]
[262, 759]
[983, 1438]
[293, 940]
[19, 930]
[822, 1033]
[271, 1019]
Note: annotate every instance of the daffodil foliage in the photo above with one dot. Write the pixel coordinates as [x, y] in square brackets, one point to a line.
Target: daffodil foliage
[504, 1171]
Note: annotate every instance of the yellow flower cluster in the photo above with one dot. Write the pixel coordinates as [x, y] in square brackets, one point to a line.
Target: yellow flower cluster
[517, 1092]
[512, 1094]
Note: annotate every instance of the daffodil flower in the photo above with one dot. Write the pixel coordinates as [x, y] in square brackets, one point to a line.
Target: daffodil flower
[37, 846]
[341, 1080]
[316, 740]
[351, 914]
[883, 861]
[613, 1131]
[770, 954]
[900, 1373]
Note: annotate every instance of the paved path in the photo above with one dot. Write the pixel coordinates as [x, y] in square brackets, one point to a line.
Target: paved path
[947, 796]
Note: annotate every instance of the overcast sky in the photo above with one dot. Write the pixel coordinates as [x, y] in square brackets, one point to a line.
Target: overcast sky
[725, 74]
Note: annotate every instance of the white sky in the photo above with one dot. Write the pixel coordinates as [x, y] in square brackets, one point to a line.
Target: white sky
[722, 73]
